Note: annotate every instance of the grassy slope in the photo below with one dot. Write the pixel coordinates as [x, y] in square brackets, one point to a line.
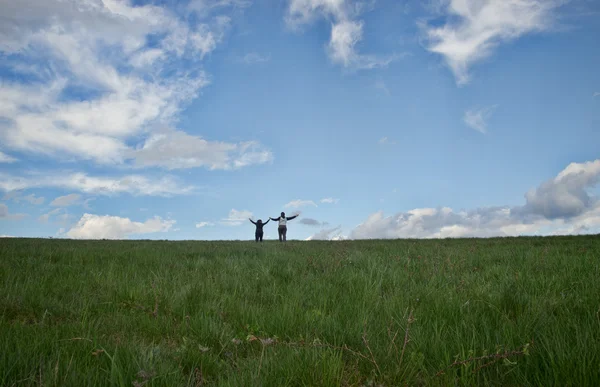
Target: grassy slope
[99, 312]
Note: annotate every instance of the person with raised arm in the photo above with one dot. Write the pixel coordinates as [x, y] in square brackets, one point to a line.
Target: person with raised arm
[282, 229]
[258, 234]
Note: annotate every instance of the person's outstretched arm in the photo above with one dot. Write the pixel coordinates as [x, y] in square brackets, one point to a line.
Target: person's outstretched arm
[275, 219]
[292, 217]
[253, 222]
[267, 221]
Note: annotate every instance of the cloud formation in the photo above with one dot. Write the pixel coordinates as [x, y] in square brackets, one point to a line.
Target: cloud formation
[66, 201]
[114, 227]
[330, 200]
[132, 184]
[474, 28]
[236, 217]
[4, 158]
[331, 234]
[346, 31]
[311, 222]
[561, 205]
[478, 118]
[73, 101]
[204, 224]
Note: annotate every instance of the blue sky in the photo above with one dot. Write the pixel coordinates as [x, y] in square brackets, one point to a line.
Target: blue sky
[372, 119]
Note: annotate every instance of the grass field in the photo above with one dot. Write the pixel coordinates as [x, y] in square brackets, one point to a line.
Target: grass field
[518, 311]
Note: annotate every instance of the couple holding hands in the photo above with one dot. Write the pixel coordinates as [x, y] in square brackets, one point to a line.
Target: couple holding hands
[282, 229]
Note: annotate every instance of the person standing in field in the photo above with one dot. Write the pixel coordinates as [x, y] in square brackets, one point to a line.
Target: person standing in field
[258, 234]
[282, 229]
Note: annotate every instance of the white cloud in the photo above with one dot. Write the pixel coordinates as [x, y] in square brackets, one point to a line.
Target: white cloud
[474, 28]
[121, 97]
[176, 150]
[206, 6]
[132, 184]
[300, 203]
[478, 118]
[204, 224]
[66, 201]
[255, 58]
[236, 217]
[560, 205]
[113, 227]
[330, 200]
[5, 213]
[333, 234]
[4, 158]
[596, 94]
[346, 32]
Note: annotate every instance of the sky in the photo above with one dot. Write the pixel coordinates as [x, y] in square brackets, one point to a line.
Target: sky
[164, 119]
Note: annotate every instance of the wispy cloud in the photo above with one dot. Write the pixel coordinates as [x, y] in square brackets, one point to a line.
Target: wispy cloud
[252, 58]
[312, 222]
[596, 94]
[478, 118]
[4, 158]
[105, 185]
[66, 201]
[236, 217]
[474, 28]
[346, 30]
[127, 95]
[300, 203]
[330, 200]
[204, 224]
[17, 196]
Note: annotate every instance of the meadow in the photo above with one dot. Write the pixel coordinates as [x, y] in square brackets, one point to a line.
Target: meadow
[503, 311]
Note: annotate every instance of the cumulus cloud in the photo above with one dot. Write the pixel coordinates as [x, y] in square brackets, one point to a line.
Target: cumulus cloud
[567, 194]
[330, 200]
[236, 217]
[255, 58]
[333, 234]
[131, 184]
[300, 203]
[113, 227]
[66, 201]
[73, 101]
[474, 28]
[478, 118]
[346, 31]
[560, 205]
[4, 158]
[204, 224]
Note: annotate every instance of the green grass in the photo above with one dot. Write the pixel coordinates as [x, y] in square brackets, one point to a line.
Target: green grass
[304, 313]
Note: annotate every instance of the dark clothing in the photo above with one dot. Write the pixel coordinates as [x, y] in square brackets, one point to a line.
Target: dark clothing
[282, 230]
[258, 234]
[279, 217]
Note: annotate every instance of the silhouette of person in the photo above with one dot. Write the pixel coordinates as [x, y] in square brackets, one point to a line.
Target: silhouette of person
[282, 229]
[258, 234]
